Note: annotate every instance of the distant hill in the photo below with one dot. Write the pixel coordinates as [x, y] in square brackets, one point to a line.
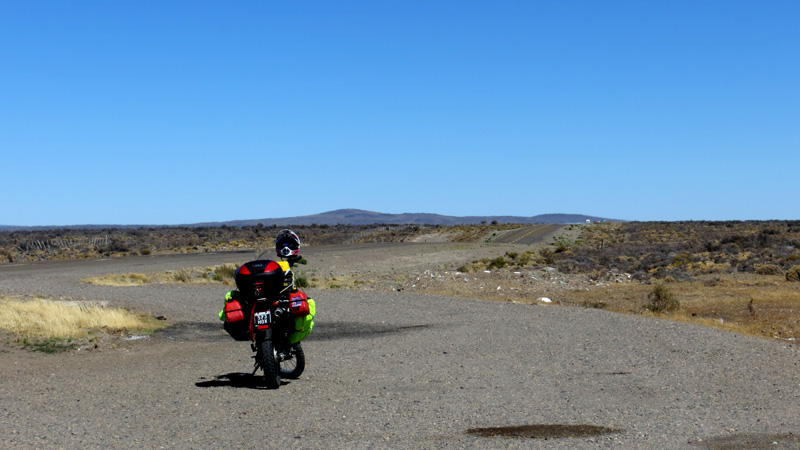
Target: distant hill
[352, 217]
[362, 217]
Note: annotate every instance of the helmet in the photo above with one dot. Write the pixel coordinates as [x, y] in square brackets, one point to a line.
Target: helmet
[287, 244]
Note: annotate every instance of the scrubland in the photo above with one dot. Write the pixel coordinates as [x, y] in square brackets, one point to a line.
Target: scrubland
[739, 276]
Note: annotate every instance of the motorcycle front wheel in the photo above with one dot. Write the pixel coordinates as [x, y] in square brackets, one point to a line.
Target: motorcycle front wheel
[269, 363]
[292, 368]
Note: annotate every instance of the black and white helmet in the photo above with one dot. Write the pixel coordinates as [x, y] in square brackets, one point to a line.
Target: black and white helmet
[287, 244]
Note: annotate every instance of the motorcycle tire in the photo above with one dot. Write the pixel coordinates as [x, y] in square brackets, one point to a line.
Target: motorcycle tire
[272, 375]
[292, 368]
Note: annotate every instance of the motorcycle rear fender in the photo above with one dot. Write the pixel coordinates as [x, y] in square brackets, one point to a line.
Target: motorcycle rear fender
[266, 334]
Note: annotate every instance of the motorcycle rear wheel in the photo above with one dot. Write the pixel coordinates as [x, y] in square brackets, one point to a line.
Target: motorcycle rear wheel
[292, 368]
[269, 363]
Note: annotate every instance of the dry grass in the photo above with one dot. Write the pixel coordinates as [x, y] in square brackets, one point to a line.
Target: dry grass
[338, 282]
[48, 319]
[222, 273]
[765, 306]
[125, 279]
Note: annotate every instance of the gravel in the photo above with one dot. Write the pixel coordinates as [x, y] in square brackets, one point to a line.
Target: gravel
[392, 369]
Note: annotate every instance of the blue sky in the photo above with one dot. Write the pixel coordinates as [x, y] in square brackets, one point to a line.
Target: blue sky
[153, 112]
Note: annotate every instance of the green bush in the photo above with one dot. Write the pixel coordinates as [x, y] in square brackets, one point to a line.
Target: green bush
[793, 274]
[562, 243]
[301, 281]
[661, 300]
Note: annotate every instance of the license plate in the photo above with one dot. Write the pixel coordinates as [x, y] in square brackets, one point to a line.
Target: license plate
[262, 318]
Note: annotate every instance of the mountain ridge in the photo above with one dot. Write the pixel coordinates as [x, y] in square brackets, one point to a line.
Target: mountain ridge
[363, 217]
[352, 216]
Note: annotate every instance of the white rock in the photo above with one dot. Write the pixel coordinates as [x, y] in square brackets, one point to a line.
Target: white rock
[544, 300]
[135, 338]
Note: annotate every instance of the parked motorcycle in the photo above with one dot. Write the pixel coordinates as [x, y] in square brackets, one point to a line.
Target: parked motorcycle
[274, 314]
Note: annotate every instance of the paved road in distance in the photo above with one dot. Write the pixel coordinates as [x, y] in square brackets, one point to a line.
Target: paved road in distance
[534, 234]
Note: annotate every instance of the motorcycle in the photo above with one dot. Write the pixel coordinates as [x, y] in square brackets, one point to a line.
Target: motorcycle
[271, 312]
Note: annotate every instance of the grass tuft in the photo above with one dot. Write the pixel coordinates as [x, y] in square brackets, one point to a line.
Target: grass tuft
[662, 300]
[183, 276]
[224, 272]
[56, 320]
[126, 279]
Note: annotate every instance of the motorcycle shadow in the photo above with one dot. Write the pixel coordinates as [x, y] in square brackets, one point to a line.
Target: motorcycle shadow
[236, 380]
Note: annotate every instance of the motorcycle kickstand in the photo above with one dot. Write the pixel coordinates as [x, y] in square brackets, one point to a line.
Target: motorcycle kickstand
[256, 363]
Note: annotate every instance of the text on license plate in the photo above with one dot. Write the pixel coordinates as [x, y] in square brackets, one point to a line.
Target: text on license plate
[262, 318]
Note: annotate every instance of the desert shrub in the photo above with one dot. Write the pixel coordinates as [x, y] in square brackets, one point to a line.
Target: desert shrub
[661, 300]
[547, 255]
[661, 272]
[578, 264]
[562, 243]
[182, 276]
[654, 260]
[225, 271]
[524, 259]
[145, 250]
[594, 304]
[793, 274]
[473, 266]
[640, 276]
[497, 263]
[747, 267]
[302, 281]
[768, 269]
[118, 246]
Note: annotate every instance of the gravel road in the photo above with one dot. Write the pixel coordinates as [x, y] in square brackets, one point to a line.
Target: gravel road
[393, 370]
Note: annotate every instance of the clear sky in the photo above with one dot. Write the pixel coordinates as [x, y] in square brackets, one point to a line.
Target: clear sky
[172, 112]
